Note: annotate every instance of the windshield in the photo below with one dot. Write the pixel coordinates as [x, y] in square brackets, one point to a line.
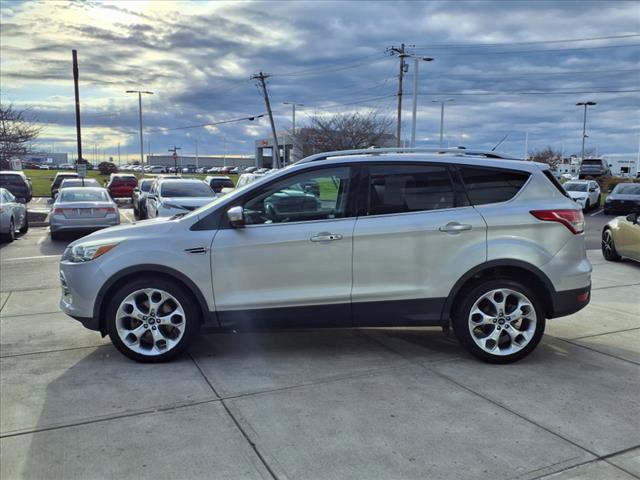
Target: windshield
[145, 185]
[186, 189]
[78, 182]
[627, 189]
[575, 187]
[84, 196]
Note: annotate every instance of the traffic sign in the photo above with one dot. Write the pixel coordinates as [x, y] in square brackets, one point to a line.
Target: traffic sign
[81, 169]
[175, 156]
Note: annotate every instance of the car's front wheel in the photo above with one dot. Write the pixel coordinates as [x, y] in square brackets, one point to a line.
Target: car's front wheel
[499, 321]
[152, 319]
[609, 251]
[10, 236]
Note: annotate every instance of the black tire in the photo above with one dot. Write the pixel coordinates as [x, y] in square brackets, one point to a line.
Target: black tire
[11, 235]
[136, 212]
[55, 235]
[587, 206]
[25, 227]
[462, 315]
[606, 212]
[184, 297]
[610, 254]
[599, 202]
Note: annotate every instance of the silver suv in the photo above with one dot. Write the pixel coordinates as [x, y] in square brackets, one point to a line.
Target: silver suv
[488, 245]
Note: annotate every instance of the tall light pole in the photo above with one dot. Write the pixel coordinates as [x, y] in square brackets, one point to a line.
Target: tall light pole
[415, 96]
[140, 92]
[293, 120]
[584, 123]
[442, 102]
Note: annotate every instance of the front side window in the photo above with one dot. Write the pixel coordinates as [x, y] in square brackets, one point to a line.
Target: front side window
[491, 185]
[316, 195]
[409, 188]
[186, 189]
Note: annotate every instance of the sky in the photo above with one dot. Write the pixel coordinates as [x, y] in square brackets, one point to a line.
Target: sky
[513, 69]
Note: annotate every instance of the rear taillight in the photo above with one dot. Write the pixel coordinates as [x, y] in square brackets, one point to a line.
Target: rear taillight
[572, 219]
[62, 210]
[107, 210]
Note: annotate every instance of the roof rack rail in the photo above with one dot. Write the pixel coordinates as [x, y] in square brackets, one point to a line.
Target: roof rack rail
[376, 151]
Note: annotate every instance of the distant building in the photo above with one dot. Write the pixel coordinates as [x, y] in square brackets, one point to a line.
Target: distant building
[46, 158]
[202, 160]
[623, 164]
[293, 152]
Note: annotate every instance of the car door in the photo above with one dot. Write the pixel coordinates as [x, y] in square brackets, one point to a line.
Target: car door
[415, 237]
[627, 238]
[18, 210]
[291, 262]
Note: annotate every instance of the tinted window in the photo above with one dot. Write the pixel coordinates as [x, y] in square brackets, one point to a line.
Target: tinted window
[491, 185]
[11, 180]
[409, 188]
[316, 195]
[186, 189]
[627, 189]
[575, 187]
[83, 196]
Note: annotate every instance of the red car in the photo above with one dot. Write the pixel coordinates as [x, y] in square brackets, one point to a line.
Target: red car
[121, 185]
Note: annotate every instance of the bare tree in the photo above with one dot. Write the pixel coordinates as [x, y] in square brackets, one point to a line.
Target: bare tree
[345, 131]
[547, 155]
[18, 130]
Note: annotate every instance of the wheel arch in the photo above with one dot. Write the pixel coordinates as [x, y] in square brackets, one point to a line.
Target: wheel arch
[528, 274]
[116, 281]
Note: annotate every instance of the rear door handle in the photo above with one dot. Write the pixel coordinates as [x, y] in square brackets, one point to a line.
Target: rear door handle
[455, 227]
[326, 237]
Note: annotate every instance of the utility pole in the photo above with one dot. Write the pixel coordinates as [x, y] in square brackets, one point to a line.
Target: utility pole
[74, 54]
[526, 146]
[402, 55]
[119, 161]
[584, 123]
[140, 92]
[175, 157]
[276, 149]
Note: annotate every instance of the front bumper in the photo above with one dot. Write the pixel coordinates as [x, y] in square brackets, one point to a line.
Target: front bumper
[622, 208]
[80, 283]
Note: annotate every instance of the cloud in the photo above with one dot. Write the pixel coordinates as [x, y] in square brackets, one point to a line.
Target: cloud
[198, 56]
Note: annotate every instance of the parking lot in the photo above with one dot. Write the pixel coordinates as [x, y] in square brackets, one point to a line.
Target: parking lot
[367, 403]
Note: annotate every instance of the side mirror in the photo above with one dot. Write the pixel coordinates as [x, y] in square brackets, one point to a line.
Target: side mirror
[136, 189]
[633, 218]
[236, 216]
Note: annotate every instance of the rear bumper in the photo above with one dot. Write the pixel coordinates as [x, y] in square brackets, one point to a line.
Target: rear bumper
[568, 302]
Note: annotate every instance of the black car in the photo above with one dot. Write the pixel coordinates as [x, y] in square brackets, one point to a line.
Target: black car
[57, 180]
[17, 183]
[624, 199]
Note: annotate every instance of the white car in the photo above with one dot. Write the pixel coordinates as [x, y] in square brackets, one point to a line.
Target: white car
[157, 169]
[585, 192]
[171, 196]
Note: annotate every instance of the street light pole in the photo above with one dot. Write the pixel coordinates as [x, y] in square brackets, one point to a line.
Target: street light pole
[442, 102]
[140, 92]
[293, 113]
[415, 96]
[584, 123]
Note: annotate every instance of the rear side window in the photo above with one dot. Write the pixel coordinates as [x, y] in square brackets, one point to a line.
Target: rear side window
[409, 188]
[555, 182]
[9, 179]
[491, 185]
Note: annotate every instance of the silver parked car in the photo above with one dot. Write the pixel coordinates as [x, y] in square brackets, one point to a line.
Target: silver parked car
[172, 196]
[82, 209]
[489, 245]
[13, 216]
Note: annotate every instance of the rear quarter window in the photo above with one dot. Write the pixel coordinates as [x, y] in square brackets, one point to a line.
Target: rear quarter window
[491, 185]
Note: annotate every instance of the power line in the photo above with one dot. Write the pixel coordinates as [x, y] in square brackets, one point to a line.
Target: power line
[539, 74]
[548, 92]
[547, 50]
[321, 71]
[539, 42]
[211, 124]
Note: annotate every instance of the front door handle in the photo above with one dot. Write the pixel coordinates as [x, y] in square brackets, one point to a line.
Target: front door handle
[455, 227]
[326, 237]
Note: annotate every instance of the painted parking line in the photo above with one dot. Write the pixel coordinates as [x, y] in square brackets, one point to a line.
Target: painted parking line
[597, 213]
[126, 215]
[30, 258]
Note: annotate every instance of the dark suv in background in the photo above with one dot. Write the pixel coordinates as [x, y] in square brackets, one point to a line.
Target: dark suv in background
[17, 183]
[57, 181]
[594, 167]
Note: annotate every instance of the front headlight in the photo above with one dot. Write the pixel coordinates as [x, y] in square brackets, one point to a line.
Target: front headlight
[86, 252]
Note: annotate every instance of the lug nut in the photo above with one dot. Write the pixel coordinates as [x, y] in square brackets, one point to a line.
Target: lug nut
[508, 318]
[146, 326]
[494, 320]
[506, 326]
[153, 328]
[499, 328]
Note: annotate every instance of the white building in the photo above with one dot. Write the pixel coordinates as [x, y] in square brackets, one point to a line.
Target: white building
[623, 164]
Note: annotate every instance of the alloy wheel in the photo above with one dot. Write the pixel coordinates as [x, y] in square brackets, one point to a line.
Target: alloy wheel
[150, 321]
[607, 244]
[502, 321]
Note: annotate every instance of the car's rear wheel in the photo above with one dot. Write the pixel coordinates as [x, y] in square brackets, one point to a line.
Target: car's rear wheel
[587, 206]
[499, 321]
[10, 236]
[609, 251]
[152, 319]
[25, 226]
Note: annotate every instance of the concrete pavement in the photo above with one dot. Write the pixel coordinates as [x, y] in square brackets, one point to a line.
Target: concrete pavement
[330, 404]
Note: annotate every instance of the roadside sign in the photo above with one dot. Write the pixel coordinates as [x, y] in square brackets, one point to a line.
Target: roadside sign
[175, 156]
[82, 169]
